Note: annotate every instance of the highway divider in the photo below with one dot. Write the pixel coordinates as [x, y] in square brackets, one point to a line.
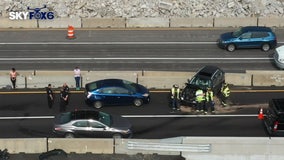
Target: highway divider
[151, 79]
[156, 22]
[191, 148]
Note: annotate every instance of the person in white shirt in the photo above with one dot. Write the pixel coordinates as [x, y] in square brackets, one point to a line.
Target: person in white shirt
[77, 75]
[13, 77]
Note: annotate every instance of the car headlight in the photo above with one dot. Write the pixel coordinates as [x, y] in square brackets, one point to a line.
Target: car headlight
[145, 95]
[89, 95]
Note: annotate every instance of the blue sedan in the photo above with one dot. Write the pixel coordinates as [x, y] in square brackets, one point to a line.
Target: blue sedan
[116, 92]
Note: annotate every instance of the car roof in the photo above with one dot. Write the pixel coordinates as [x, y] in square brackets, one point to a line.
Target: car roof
[256, 29]
[104, 83]
[208, 71]
[85, 114]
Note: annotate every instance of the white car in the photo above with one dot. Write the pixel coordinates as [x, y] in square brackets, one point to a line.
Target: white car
[279, 57]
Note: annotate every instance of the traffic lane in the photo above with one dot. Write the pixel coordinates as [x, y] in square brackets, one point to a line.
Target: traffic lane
[36, 104]
[112, 35]
[199, 126]
[126, 50]
[189, 57]
[26, 128]
[150, 128]
[228, 66]
[132, 34]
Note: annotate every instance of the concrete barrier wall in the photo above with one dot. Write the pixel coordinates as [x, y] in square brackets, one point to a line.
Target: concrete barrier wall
[266, 78]
[237, 148]
[191, 22]
[147, 22]
[84, 145]
[150, 79]
[60, 23]
[143, 22]
[24, 145]
[7, 23]
[191, 148]
[235, 22]
[271, 21]
[103, 23]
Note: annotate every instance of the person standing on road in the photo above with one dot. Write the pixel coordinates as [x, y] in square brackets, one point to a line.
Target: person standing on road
[77, 76]
[13, 77]
[209, 96]
[67, 92]
[175, 98]
[225, 93]
[50, 96]
[200, 98]
[63, 100]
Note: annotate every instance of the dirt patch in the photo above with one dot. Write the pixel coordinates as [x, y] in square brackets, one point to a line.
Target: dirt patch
[230, 108]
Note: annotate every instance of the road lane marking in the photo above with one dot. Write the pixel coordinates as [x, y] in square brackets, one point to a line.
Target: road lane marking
[127, 58]
[141, 116]
[151, 91]
[107, 43]
[104, 43]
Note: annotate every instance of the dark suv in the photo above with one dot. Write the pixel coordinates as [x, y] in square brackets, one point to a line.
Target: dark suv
[274, 117]
[207, 77]
[248, 37]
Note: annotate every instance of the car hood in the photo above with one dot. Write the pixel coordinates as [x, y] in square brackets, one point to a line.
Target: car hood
[141, 89]
[119, 122]
[192, 87]
[280, 50]
[226, 36]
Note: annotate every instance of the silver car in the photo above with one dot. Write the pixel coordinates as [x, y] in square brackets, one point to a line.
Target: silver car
[90, 123]
[279, 57]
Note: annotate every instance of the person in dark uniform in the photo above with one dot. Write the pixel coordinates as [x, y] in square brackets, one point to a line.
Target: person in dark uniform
[63, 100]
[67, 92]
[50, 96]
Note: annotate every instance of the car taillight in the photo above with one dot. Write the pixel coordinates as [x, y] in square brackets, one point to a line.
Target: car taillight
[275, 125]
[57, 128]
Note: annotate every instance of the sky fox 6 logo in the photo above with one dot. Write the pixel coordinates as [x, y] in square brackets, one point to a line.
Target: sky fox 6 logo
[35, 13]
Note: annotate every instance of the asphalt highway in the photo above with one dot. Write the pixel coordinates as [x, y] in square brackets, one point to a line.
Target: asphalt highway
[170, 50]
[26, 115]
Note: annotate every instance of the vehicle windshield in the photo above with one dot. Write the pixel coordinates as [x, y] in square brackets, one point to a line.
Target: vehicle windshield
[91, 86]
[105, 118]
[201, 82]
[237, 33]
[130, 85]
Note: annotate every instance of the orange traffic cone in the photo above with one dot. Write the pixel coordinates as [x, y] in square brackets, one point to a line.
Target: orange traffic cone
[260, 115]
[70, 34]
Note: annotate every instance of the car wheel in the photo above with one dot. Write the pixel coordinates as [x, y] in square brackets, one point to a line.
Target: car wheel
[117, 135]
[138, 102]
[265, 47]
[98, 104]
[231, 47]
[69, 135]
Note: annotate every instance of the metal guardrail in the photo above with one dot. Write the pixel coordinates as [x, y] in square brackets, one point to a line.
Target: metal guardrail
[199, 148]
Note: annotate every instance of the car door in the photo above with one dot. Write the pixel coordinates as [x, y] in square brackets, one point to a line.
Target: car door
[124, 96]
[98, 129]
[258, 38]
[244, 41]
[109, 95]
[81, 128]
